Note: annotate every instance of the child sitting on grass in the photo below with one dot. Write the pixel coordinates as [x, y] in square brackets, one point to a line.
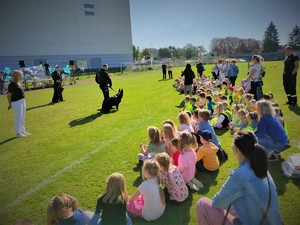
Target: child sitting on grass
[155, 145]
[222, 119]
[210, 104]
[111, 205]
[175, 152]
[252, 118]
[148, 202]
[185, 122]
[203, 119]
[63, 209]
[207, 159]
[168, 134]
[175, 188]
[187, 160]
[187, 104]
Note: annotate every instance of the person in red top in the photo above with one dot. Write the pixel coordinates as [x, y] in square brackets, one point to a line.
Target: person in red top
[175, 151]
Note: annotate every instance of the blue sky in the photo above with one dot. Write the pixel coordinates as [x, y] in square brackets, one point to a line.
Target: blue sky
[160, 23]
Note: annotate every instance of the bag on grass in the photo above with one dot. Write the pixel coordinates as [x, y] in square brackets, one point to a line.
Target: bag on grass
[222, 155]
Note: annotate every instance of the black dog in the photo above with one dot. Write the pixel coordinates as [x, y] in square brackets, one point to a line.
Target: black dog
[113, 101]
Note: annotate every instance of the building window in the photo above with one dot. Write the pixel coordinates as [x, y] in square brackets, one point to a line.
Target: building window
[88, 6]
[89, 13]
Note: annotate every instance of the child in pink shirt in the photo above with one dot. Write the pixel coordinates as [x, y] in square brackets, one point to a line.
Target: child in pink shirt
[187, 160]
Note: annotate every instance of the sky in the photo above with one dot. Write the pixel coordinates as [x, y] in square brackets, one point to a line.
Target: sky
[161, 23]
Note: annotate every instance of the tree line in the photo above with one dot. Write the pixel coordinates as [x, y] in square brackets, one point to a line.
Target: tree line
[224, 46]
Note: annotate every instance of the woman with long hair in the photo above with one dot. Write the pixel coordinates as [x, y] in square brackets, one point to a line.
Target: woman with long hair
[249, 194]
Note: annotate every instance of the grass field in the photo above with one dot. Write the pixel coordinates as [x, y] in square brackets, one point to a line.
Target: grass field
[73, 149]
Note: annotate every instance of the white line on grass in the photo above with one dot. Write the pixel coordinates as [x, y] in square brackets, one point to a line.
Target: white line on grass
[50, 179]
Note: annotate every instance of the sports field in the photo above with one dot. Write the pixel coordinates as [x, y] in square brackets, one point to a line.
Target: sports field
[73, 148]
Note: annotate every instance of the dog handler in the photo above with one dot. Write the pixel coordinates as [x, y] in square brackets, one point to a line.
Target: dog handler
[291, 66]
[104, 81]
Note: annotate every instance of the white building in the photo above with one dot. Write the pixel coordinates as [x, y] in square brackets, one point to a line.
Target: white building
[98, 31]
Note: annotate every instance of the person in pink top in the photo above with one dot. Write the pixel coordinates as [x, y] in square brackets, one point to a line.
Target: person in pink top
[187, 160]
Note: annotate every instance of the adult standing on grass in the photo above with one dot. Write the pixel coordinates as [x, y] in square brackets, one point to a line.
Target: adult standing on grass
[249, 189]
[200, 68]
[164, 71]
[58, 89]
[254, 77]
[104, 81]
[188, 75]
[16, 99]
[233, 72]
[291, 66]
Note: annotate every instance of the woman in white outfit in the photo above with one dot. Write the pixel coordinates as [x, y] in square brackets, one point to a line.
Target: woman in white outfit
[16, 99]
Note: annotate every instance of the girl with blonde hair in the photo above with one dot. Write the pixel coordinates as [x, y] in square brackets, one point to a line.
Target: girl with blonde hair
[185, 122]
[148, 202]
[269, 132]
[168, 134]
[111, 205]
[16, 100]
[63, 209]
[156, 145]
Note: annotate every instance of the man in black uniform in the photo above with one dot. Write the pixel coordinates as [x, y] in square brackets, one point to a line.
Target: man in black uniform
[58, 89]
[291, 66]
[104, 81]
[164, 71]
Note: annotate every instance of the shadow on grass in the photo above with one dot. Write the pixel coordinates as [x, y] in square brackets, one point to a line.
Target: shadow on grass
[84, 120]
[279, 178]
[8, 140]
[295, 109]
[181, 105]
[208, 179]
[220, 132]
[39, 106]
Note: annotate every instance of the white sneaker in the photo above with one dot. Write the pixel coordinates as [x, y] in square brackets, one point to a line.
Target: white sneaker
[197, 182]
[26, 133]
[20, 135]
[193, 186]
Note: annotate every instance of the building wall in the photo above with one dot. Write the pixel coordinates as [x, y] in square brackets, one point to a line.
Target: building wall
[59, 30]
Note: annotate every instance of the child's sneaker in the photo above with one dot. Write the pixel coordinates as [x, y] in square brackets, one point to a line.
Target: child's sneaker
[193, 186]
[273, 156]
[197, 182]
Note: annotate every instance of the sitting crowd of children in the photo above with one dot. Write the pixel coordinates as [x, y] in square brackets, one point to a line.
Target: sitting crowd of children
[173, 155]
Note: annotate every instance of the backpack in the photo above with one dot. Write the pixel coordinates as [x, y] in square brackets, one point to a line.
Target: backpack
[222, 155]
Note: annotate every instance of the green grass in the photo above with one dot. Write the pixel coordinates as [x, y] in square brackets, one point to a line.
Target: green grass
[74, 149]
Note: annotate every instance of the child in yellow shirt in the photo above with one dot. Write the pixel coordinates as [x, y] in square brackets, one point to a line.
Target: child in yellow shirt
[207, 159]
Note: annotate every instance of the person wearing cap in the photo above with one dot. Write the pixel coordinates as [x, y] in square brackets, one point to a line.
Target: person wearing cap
[291, 66]
[207, 159]
[102, 78]
[233, 72]
[57, 86]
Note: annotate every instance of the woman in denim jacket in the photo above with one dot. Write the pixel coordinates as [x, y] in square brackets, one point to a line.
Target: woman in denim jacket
[250, 189]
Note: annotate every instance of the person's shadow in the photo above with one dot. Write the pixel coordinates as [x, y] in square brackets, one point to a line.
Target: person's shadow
[84, 120]
[295, 109]
[39, 106]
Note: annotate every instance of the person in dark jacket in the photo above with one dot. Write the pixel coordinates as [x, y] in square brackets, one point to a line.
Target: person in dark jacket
[200, 68]
[164, 71]
[104, 81]
[58, 89]
[189, 75]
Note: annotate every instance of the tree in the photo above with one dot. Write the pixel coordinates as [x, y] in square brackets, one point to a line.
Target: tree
[294, 38]
[271, 39]
[135, 52]
[191, 51]
[164, 53]
[146, 53]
